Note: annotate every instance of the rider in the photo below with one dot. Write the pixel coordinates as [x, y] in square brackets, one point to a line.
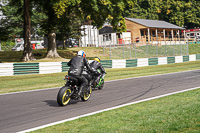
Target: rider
[95, 65]
[77, 64]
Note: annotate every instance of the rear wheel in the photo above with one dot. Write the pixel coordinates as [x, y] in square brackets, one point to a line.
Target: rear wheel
[86, 94]
[63, 96]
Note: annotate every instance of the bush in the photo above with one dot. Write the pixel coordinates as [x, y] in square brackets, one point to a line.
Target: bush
[7, 46]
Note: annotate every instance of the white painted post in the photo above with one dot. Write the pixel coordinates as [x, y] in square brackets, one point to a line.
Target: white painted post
[180, 42]
[148, 35]
[148, 42]
[94, 37]
[85, 36]
[164, 41]
[184, 36]
[157, 40]
[172, 35]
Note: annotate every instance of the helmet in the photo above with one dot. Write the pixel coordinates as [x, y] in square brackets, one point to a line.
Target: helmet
[97, 59]
[81, 53]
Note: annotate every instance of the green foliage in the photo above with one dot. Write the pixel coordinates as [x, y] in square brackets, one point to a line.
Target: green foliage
[97, 11]
[182, 13]
[7, 46]
[66, 16]
[11, 25]
[43, 20]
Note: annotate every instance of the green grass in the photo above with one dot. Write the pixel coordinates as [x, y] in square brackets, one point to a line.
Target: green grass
[171, 114]
[40, 81]
[194, 48]
[147, 51]
[15, 56]
[104, 54]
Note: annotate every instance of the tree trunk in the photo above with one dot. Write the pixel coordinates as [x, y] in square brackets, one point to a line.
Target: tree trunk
[52, 50]
[64, 45]
[0, 45]
[27, 54]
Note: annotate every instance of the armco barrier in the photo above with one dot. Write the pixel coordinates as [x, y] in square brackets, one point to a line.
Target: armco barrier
[170, 60]
[107, 63]
[6, 69]
[25, 68]
[178, 59]
[162, 60]
[118, 63]
[142, 62]
[131, 63]
[198, 57]
[65, 67]
[186, 58]
[9, 69]
[153, 61]
[192, 57]
[50, 67]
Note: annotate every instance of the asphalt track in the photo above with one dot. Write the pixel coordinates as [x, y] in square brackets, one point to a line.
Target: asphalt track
[27, 110]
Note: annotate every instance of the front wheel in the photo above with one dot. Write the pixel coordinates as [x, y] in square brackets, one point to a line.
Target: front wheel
[63, 96]
[101, 84]
[86, 94]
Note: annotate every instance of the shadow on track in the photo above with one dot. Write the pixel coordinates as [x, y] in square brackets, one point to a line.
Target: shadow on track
[53, 103]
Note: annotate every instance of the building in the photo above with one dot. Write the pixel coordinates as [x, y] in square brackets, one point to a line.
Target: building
[192, 33]
[150, 30]
[91, 36]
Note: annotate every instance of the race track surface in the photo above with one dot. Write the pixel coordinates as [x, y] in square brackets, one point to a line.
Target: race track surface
[31, 109]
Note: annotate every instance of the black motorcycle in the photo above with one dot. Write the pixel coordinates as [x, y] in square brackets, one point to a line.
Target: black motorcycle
[97, 80]
[70, 91]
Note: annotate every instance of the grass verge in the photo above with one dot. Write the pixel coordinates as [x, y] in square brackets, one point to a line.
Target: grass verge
[103, 54]
[40, 81]
[175, 113]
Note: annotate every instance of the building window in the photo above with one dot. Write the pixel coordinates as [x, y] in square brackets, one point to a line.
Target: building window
[107, 37]
[192, 35]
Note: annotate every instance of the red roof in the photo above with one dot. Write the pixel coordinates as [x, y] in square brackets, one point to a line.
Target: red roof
[190, 30]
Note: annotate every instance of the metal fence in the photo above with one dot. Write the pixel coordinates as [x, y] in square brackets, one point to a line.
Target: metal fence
[142, 48]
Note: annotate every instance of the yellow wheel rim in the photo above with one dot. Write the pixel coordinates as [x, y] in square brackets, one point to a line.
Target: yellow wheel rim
[86, 95]
[66, 98]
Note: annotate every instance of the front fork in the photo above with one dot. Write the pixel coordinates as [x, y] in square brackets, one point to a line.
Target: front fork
[100, 81]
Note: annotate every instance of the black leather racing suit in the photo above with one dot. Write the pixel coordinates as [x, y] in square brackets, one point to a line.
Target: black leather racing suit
[77, 64]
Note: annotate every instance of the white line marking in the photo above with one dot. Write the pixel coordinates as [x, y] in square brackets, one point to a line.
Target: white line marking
[116, 107]
[105, 81]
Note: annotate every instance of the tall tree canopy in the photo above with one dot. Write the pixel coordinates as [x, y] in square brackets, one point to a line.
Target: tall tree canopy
[64, 17]
[184, 13]
[97, 11]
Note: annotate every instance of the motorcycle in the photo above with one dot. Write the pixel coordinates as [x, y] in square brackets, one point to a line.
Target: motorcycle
[97, 82]
[70, 91]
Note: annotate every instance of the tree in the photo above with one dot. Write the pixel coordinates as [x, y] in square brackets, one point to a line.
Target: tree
[17, 15]
[97, 11]
[69, 27]
[54, 25]
[12, 21]
[27, 53]
[184, 13]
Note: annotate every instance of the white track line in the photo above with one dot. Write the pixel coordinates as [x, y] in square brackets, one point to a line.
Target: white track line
[89, 114]
[105, 81]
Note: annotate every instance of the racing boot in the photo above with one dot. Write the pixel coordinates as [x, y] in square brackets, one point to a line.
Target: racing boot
[80, 91]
